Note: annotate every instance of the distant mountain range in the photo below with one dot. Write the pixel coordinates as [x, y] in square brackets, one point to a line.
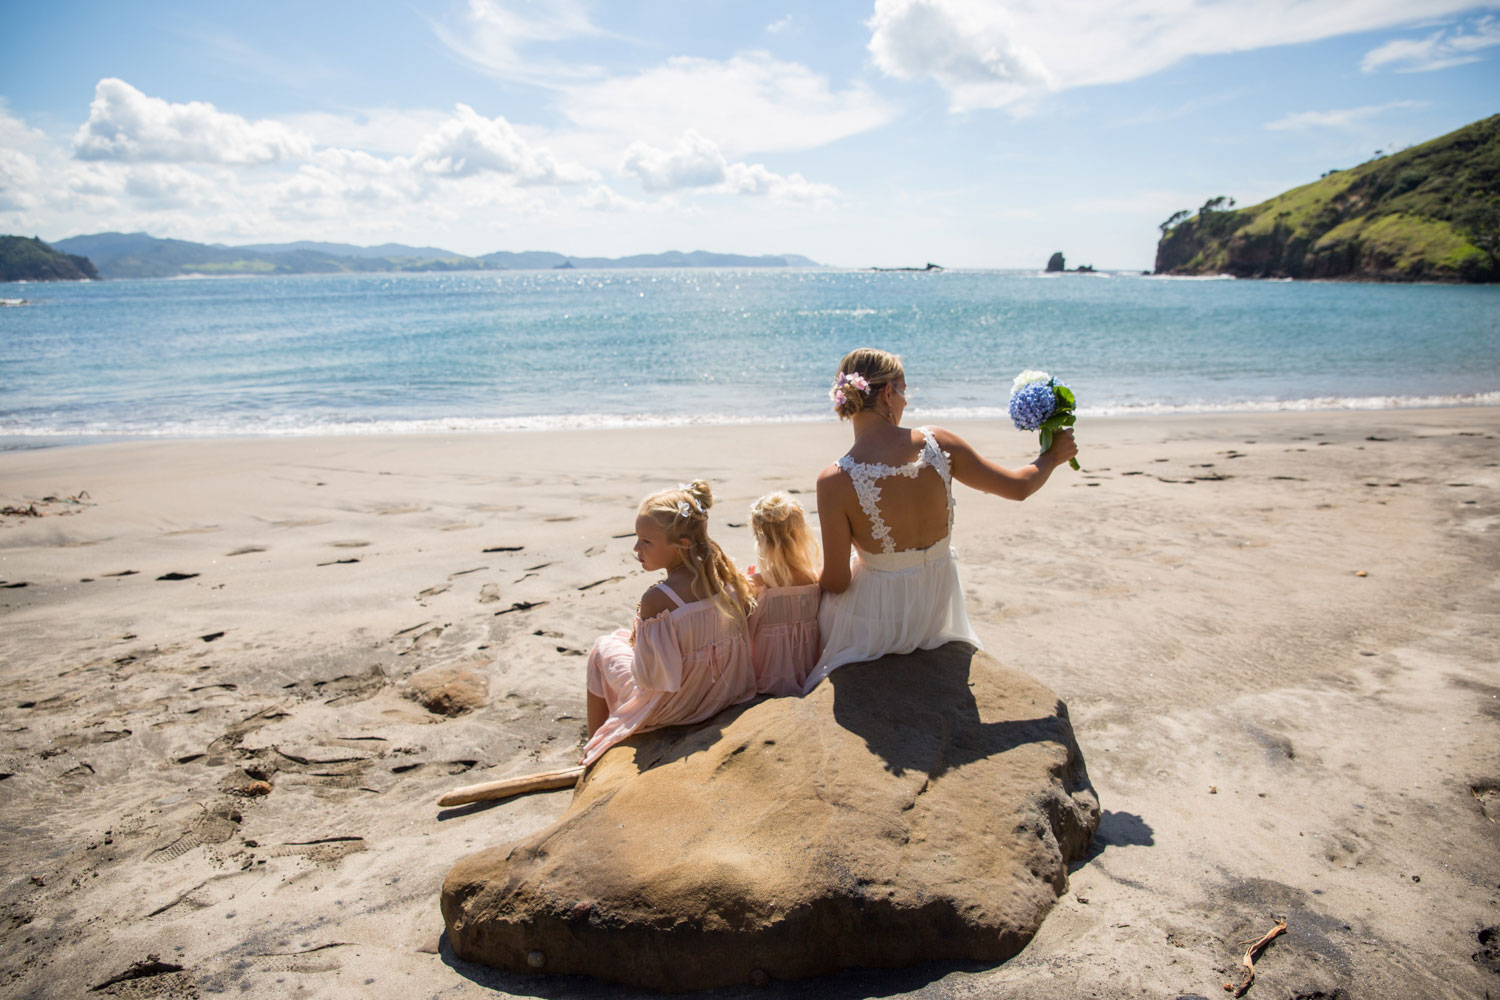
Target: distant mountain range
[139, 255]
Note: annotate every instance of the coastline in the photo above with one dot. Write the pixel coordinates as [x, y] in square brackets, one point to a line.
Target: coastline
[1270, 733]
[605, 423]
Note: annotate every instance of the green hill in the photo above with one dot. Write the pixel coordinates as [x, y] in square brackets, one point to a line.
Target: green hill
[1428, 213]
[23, 259]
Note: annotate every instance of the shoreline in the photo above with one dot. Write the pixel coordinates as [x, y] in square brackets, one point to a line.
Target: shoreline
[1274, 634]
[500, 426]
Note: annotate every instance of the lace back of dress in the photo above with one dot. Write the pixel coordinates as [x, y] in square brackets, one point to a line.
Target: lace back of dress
[866, 476]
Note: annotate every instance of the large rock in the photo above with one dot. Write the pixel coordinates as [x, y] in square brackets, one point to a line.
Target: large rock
[913, 808]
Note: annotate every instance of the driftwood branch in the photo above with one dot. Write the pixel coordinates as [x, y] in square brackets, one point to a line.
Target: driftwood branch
[506, 787]
[1247, 964]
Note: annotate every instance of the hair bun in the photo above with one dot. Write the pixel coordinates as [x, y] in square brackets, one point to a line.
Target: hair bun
[773, 508]
[701, 492]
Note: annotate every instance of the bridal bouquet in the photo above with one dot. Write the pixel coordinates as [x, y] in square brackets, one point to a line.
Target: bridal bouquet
[1039, 402]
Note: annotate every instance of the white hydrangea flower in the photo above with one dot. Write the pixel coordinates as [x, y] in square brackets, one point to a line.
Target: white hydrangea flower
[1027, 377]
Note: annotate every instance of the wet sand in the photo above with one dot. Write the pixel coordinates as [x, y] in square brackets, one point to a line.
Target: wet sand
[1277, 636]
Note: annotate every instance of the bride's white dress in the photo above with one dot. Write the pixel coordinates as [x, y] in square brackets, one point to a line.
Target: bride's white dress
[896, 602]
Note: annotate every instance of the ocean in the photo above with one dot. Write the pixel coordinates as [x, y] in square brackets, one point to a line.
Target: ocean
[512, 350]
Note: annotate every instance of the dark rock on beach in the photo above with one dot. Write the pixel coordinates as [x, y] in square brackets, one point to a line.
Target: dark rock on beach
[915, 808]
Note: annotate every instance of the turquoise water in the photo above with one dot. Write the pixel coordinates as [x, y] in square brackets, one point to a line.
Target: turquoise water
[487, 350]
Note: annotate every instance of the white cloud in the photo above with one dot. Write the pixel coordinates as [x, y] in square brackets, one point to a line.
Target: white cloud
[778, 26]
[975, 52]
[601, 198]
[1439, 50]
[469, 143]
[771, 104]
[1342, 118]
[694, 161]
[496, 36]
[125, 124]
[20, 173]
[1007, 54]
[691, 163]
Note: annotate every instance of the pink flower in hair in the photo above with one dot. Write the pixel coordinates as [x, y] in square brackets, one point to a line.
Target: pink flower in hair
[853, 380]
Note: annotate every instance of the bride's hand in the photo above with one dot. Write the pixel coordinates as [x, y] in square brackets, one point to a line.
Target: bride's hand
[1063, 446]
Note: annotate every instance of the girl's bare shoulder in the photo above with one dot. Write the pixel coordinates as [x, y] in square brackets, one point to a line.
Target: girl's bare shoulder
[654, 602]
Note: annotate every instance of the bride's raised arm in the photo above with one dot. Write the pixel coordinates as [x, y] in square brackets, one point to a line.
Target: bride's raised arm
[977, 472]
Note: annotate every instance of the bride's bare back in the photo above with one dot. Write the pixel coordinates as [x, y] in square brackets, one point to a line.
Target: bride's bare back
[910, 497]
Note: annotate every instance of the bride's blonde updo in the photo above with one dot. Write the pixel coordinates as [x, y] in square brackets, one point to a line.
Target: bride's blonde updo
[682, 514]
[861, 376]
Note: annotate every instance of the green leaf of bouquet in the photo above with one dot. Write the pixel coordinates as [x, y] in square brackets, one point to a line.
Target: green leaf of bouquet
[1065, 394]
[1069, 419]
[1046, 437]
[1073, 463]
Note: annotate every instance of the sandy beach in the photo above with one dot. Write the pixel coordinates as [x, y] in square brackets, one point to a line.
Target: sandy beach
[1276, 635]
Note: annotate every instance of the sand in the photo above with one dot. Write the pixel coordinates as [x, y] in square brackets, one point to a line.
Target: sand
[1276, 635]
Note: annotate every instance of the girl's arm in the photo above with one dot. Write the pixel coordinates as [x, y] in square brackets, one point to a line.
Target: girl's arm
[835, 490]
[974, 470]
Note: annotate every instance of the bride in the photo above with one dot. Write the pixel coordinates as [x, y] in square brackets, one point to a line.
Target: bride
[890, 499]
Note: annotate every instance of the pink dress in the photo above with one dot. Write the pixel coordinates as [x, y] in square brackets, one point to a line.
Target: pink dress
[784, 642]
[687, 664]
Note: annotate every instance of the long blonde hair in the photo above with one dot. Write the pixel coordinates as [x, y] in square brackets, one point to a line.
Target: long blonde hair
[785, 548]
[682, 514]
[875, 367]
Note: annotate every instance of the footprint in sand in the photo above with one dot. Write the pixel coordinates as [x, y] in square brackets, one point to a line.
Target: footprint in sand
[177, 576]
[246, 550]
[211, 828]
[316, 959]
[489, 593]
[351, 544]
[412, 509]
[207, 529]
[505, 548]
[311, 522]
[324, 851]
[441, 588]
[562, 517]
[151, 977]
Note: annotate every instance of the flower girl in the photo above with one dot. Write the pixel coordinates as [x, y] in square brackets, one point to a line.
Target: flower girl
[784, 642]
[687, 655]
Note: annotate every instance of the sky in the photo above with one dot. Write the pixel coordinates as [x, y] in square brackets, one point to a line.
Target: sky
[855, 132]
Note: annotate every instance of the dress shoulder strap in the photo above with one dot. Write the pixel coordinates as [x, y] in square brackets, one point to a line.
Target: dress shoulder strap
[934, 455]
[864, 477]
[671, 593]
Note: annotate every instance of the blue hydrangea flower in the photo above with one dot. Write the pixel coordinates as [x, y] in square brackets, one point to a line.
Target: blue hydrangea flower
[1032, 404]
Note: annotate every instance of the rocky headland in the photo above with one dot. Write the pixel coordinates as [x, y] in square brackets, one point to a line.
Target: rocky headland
[29, 259]
[1428, 213]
